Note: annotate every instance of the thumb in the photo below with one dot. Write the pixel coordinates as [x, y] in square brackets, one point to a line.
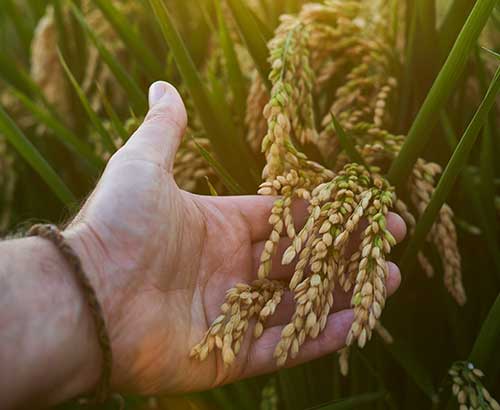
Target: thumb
[159, 136]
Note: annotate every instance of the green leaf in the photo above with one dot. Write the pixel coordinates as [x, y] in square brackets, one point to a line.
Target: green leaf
[226, 145]
[453, 23]
[407, 69]
[346, 142]
[18, 78]
[211, 188]
[218, 99]
[15, 75]
[244, 393]
[485, 348]
[294, 386]
[113, 116]
[493, 53]
[449, 133]
[453, 169]
[253, 37]
[29, 152]
[20, 23]
[94, 119]
[221, 398]
[353, 402]
[487, 173]
[413, 367]
[236, 79]
[63, 38]
[131, 38]
[137, 97]
[65, 135]
[427, 33]
[224, 175]
[266, 31]
[447, 78]
[470, 187]
[79, 43]
[37, 8]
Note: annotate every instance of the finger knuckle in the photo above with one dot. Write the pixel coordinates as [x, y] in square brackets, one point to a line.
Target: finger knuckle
[167, 115]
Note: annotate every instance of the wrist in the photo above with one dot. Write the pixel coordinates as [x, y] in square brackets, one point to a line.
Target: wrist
[92, 259]
[50, 352]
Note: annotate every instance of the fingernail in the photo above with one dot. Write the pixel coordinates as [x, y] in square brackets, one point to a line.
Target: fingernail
[156, 92]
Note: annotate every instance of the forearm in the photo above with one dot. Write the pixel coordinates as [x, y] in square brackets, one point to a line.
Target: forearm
[48, 344]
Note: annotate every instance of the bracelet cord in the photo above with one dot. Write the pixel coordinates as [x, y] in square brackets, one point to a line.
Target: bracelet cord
[54, 235]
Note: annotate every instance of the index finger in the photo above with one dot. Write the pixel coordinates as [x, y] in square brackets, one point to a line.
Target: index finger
[255, 211]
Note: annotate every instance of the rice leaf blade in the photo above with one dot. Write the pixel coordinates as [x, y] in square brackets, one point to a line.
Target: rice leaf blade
[409, 362]
[235, 75]
[225, 145]
[252, 36]
[21, 24]
[218, 99]
[15, 75]
[452, 23]
[347, 143]
[131, 38]
[94, 119]
[137, 97]
[491, 52]
[113, 116]
[63, 38]
[211, 188]
[353, 402]
[451, 172]
[65, 135]
[419, 133]
[470, 186]
[31, 155]
[225, 176]
[486, 345]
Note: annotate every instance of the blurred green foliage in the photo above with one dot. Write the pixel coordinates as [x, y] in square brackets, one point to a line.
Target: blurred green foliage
[58, 127]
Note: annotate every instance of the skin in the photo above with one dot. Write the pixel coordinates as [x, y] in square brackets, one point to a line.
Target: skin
[161, 260]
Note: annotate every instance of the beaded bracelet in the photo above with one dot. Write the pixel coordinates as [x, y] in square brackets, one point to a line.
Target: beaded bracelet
[53, 234]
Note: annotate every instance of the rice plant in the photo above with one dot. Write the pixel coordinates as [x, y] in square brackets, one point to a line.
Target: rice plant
[357, 107]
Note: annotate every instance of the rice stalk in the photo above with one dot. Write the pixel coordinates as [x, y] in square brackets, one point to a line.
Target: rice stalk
[270, 397]
[7, 186]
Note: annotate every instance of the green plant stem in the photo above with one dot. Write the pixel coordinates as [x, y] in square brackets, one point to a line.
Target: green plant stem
[234, 73]
[486, 345]
[353, 402]
[420, 131]
[66, 136]
[224, 175]
[21, 24]
[18, 77]
[453, 169]
[137, 97]
[131, 38]
[226, 145]
[29, 152]
[94, 119]
[347, 143]
[253, 37]
[476, 203]
[452, 23]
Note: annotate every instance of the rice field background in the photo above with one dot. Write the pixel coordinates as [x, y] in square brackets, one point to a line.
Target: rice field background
[405, 89]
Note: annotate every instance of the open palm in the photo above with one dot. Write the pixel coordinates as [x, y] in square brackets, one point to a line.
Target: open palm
[163, 259]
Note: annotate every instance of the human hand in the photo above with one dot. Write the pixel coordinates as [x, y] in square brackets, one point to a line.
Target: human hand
[161, 260]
